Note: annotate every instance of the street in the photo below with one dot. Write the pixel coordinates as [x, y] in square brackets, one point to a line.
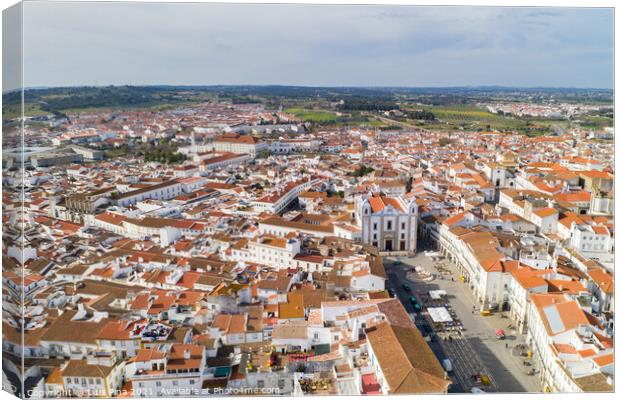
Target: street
[477, 351]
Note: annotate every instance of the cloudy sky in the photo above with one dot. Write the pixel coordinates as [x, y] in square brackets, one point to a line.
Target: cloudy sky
[133, 43]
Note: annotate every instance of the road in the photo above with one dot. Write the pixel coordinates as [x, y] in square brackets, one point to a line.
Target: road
[478, 351]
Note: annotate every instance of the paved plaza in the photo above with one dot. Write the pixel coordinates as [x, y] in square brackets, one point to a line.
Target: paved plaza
[477, 351]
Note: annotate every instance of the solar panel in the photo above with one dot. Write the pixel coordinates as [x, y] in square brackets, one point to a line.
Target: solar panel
[553, 317]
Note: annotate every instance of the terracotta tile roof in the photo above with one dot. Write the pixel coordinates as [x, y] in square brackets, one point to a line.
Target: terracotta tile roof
[545, 212]
[144, 355]
[456, 218]
[573, 287]
[177, 358]
[528, 278]
[81, 368]
[602, 280]
[230, 323]
[604, 360]
[378, 203]
[408, 364]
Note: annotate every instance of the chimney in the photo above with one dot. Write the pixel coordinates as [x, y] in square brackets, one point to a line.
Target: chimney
[186, 354]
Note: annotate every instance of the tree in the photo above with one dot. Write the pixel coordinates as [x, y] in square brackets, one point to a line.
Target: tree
[444, 142]
[363, 170]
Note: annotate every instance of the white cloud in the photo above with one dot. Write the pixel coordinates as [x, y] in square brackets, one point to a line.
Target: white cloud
[147, 43]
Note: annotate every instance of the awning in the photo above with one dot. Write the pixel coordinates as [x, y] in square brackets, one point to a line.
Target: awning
[439, 314]
[436, 294]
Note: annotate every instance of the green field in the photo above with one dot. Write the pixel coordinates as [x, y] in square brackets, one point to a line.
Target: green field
[14, 110]
[312, 115]
[329, 118]
[458, 113]
[595, 121]
[471, 117]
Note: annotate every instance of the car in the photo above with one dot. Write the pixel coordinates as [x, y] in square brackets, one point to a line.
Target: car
[406, 287]
[447, 364]
[396, 262]
[477, 390]
[414, 302]
[392, 292]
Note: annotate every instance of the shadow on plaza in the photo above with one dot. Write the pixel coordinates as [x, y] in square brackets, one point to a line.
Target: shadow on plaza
[503, 375]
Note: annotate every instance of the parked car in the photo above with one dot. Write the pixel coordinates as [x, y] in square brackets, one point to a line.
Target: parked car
[426, 329]
[447, 364]
[415, 304]
[392, 292]
[406, 287]
[477, 390]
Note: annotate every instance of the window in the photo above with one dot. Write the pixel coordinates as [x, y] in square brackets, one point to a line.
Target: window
[260, 384]
[175, 383]
[191, 381]
[91, 381]
[141, 384]
[158, 383]
[389, 225]
[402, 226]
[374, 226]
[281, 383]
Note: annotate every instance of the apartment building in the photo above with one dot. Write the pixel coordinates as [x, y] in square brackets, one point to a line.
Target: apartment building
[180, 370]
[572, 351]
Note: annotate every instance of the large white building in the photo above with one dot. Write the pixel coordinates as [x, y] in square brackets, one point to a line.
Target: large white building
[277, 201]
[388, 223]
[237, 143]
[161, 191]
[269, 250]
[572, 354]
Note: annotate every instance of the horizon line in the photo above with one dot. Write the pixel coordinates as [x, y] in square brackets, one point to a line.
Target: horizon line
[308, 86]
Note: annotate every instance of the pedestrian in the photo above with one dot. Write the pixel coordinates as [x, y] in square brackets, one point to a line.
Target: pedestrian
[506, 345]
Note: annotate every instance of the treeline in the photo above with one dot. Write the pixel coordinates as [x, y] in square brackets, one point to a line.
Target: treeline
[54, 100]
[164, 156]
[362, 170]
[368, 104]
[422, 114]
